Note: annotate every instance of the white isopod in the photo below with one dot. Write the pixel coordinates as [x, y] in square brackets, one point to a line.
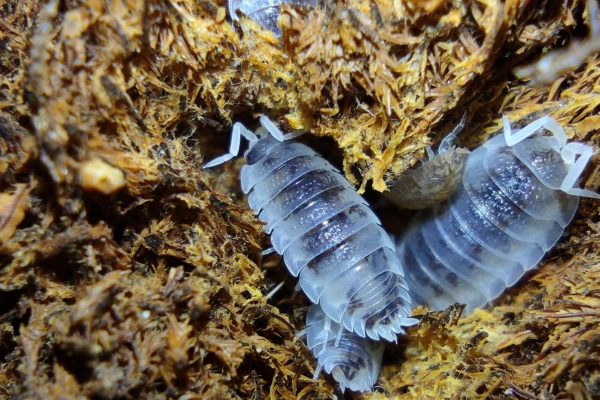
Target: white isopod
[353, 361]
[327, 233]
[518, 194]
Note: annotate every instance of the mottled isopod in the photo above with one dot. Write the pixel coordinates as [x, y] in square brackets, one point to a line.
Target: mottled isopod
[353, 361]
[516, 198]
[327, 233]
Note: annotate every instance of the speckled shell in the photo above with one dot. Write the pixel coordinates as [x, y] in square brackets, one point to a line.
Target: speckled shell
[430, 183]
[506, 214]
[328, 236]
[354, 363]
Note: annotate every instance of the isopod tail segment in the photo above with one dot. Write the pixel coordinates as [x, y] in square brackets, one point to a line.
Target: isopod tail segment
[239, 130]
[576, 155]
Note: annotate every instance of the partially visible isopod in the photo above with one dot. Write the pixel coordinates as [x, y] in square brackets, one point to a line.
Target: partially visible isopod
[434, 180]
[353, 361]
[518, 194]
[550, 66]
[264, 12]
[327, 233]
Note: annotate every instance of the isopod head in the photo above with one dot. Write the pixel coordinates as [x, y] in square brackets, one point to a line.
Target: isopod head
[558, 164]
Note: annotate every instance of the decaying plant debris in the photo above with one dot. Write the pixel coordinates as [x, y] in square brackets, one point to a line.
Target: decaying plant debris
[128, 272]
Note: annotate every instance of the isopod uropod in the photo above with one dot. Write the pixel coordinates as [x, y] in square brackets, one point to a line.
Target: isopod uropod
[517, 195]
[353, 361]
[327, 233]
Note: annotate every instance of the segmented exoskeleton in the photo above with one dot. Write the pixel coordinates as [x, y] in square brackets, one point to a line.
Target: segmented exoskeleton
[517, 195]
[353, 361]
[327, 233]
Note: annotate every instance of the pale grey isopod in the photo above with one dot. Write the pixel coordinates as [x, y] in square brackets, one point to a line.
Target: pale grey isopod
[353, 361]
[327, 233]
[517, 195]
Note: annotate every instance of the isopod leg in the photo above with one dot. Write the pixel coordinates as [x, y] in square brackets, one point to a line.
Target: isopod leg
[569, 154]
[275, 131]
[545, 122]
[237, 132]
[430, 153]
[301, 334]
[268, 251]
[274, 290]
[317, 371]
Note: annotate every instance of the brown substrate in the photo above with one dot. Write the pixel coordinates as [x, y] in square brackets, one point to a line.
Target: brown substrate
[126, 271]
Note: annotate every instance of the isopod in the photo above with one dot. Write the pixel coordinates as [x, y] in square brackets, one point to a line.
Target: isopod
[550, 66]
[518, 194]
[328, 235]
[435, 179]
[353, 361]
[264, 12]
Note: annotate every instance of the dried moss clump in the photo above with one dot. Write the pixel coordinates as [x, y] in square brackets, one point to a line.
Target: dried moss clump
[405, 70]
[128, 272]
